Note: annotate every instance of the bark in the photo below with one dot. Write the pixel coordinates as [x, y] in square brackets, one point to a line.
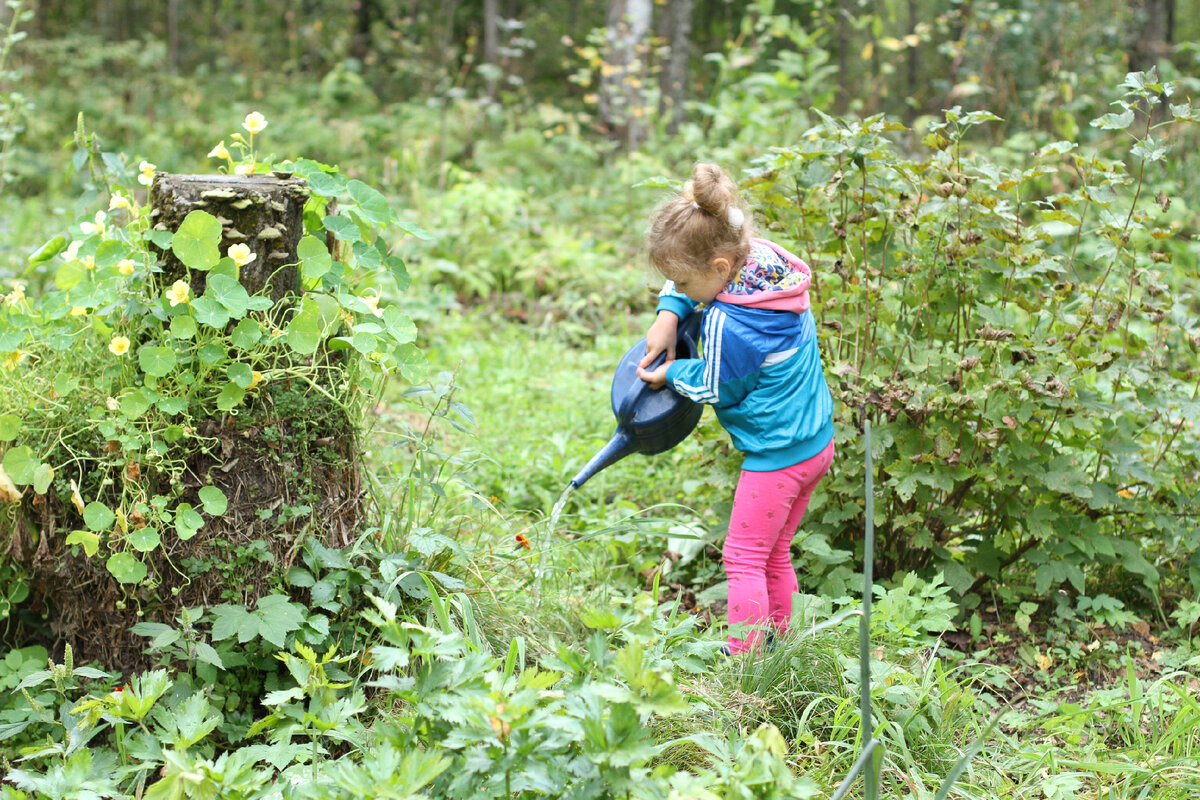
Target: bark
[628, 29]
[914, 62]
[843, 48]
[262, 211]
[491, 44]
[1151, 43]
[675, 73]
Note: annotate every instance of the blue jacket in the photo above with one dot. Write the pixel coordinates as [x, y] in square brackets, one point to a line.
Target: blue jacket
[761, 368]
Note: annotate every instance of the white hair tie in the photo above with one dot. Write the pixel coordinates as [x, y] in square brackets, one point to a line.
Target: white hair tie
[695, 205]
[737, 218]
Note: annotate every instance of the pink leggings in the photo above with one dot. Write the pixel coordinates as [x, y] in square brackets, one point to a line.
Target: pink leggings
[767, 509]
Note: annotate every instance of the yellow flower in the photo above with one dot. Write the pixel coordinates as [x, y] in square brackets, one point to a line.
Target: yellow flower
[17, 295]
[256, 378]
[89, 262]
[13, 359]
[72, 251]
[241, 254]
[254, 122]
[118, 201]
[219, 151]
[179, 293]
[244, 169]
[147, 169]
[119, 345]
[78, 311]
[125, 266]
[372, 302]
[93, 227]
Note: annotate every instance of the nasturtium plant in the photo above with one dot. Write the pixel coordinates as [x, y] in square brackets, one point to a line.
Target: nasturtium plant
[141, 362]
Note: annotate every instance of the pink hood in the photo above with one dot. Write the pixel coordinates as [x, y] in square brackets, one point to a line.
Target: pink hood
[780, 284]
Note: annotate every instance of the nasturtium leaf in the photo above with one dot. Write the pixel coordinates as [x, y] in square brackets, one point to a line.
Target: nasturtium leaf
[89, 540]
[260, 303]
[174, 433]
[145, 539]
[315, 259]
[227, 267]
[187, 521]
[156, 361]
[20, 464]
[126, 568]
[160, 239]
[399, 272]
[98, 517]
[42, 476]
[372, 205]
[304, 331]
[209, 312]
[411, 362]
[212, 353]
[240, 373]
[183, 326]
[326, 185]
[414, 229]
[111, 251]
[399, 325]
[213, 500]
[65, 384]
[134, 403]
[364, 342]
[246, 334]
[10, 426]
[171, 405]
[342, 228]
[229, 293]
[198, 240]
[370, 256]
[69, 275]
[231, 395]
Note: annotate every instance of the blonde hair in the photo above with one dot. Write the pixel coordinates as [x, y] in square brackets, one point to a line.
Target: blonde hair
[689, 231]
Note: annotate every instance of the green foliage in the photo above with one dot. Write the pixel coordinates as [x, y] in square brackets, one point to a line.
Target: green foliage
[1029, 372]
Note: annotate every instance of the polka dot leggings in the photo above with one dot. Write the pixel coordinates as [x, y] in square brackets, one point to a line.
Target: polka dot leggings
[767, 509]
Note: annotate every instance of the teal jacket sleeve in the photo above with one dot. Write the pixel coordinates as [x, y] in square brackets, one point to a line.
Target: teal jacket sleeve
[725, 375]
[670, 300]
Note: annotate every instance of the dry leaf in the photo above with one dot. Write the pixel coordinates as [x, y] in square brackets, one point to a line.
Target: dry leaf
[8, 490]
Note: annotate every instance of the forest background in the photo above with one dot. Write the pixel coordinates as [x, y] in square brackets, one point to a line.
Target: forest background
[995, 198]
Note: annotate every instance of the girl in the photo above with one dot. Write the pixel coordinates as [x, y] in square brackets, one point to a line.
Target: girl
[761, 371]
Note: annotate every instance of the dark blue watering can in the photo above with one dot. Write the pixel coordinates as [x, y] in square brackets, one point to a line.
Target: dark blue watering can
[649, 420]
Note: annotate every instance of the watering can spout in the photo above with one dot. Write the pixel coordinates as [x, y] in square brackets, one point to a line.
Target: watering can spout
[619, 446]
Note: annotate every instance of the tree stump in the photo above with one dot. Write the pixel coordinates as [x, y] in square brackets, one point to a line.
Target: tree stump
[263, 212]
[288, 463]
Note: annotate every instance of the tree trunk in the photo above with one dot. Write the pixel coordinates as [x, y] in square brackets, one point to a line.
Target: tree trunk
[288, 464]
[843, 48]
[675, 73]
[914, 64]
[491, 45]
[621, 98]
[1151, 43]
[262, 211]
[173, 59]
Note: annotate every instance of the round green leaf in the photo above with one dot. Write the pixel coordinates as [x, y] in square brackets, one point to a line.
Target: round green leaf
[10, 426]
[241, 374]
[304, 331]
[183, 326]
[21, 464]
[229, 293]
[315, 259]
[197, 242]
[98, 517]
[110, 252]
[230, 396]
[156, 361]
[187, 521]
[126, 568]
[42, 477]
[247, 334]
[342, 228]
[372, 204]
[213, 500]
[145, 539]
[89, 540]
[134, 403]
[209, 312]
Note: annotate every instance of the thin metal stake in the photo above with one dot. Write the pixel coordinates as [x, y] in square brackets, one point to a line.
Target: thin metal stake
[871, 775]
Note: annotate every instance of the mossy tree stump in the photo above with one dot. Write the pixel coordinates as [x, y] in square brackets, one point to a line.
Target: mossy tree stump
[287, 461]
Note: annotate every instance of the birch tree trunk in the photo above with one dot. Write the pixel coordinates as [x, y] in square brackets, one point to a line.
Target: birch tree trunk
[622, 106]
[491, 45]
[675, 73]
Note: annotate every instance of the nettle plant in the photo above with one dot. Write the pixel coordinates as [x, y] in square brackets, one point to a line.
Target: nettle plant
[108, 375]
[1021, 338]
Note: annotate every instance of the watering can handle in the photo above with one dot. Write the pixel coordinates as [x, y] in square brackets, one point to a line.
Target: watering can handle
[633, 395]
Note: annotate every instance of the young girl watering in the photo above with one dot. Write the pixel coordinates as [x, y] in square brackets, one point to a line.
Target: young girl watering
[761, 371]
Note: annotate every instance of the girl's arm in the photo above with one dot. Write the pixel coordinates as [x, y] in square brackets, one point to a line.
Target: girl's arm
[672, 307]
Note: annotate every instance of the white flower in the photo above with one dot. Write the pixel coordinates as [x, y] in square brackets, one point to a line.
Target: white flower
[147, 173]
[125, 266]
[118, 201]
[254, 122]
[112, 404]
[241, 254]
[243, 169]
[94, 227]
[219, 151]
[72, 251]
[372, 302]
[119, 345]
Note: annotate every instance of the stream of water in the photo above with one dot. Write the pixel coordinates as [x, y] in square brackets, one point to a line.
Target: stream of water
[543, 545]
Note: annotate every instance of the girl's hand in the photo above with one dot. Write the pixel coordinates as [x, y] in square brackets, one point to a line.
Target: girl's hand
[657, 379]
[661, 338]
